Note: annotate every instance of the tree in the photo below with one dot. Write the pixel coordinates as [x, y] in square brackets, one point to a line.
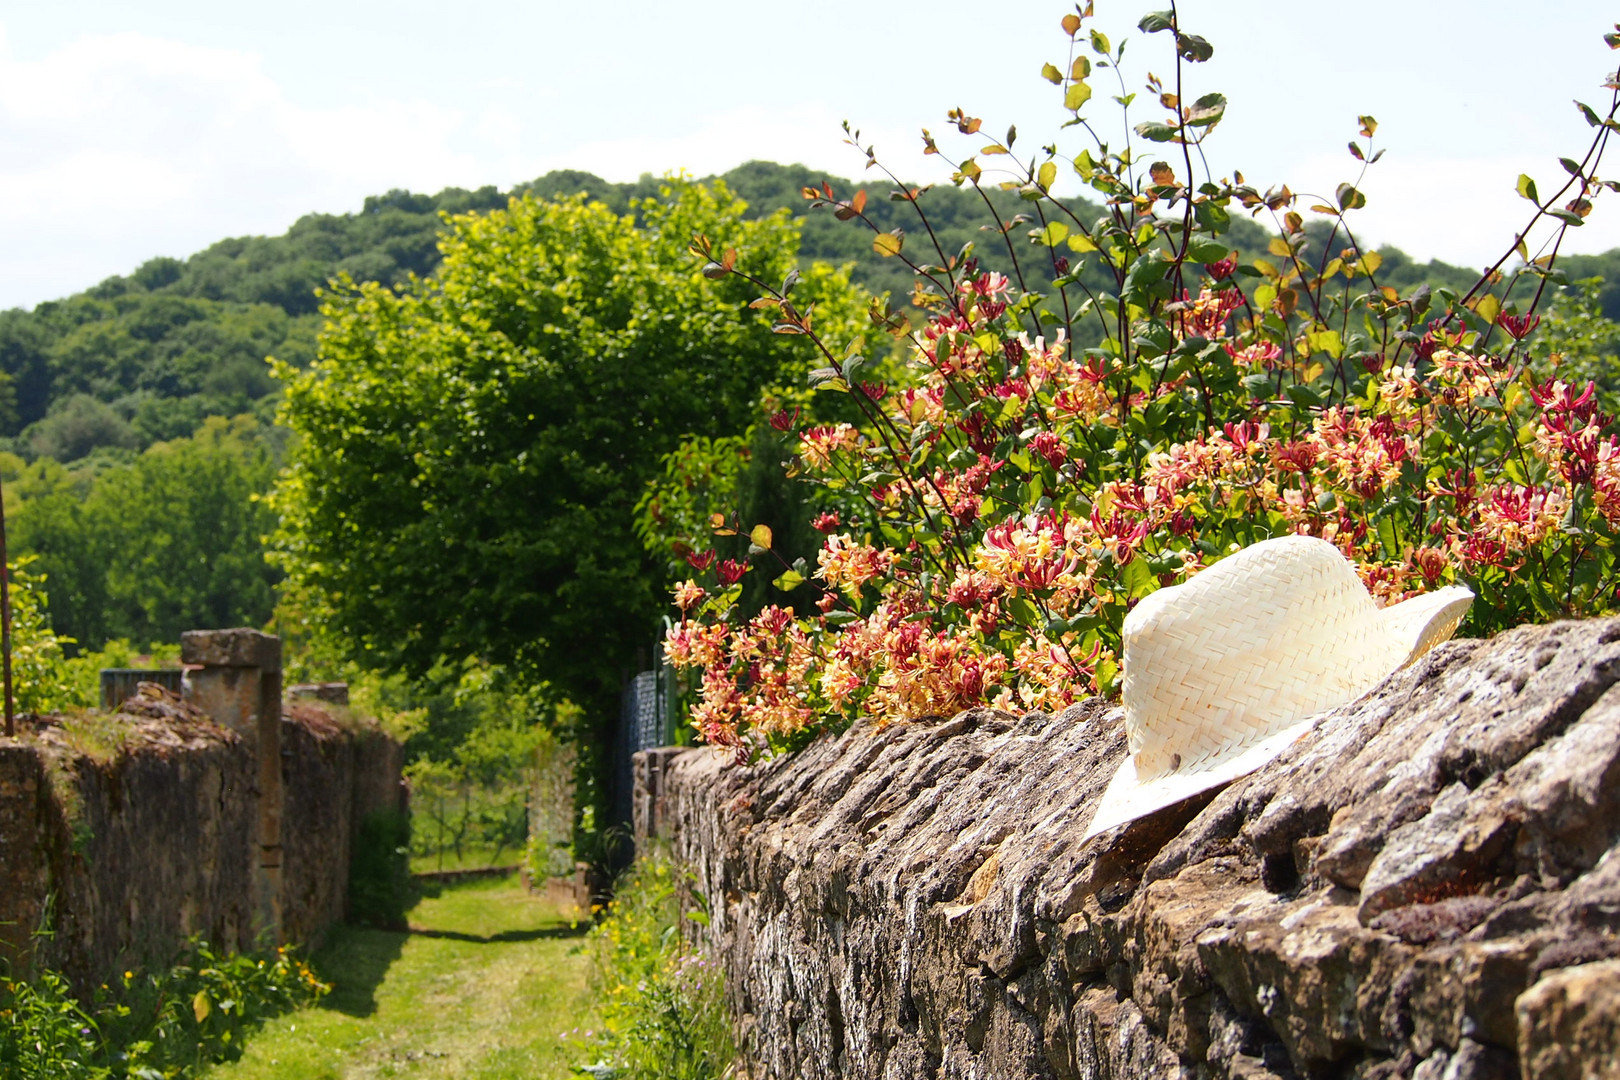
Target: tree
[169, 542]
[470, 449]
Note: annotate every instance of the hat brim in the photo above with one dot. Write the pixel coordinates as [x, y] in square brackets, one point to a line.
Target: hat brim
[1421, 622]
[1128, 798]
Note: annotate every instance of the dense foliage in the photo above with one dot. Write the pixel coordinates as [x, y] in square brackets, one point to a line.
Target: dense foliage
[171, 1022]
[470, 449]
[1001, 507]
[167, 542]
[92, 380]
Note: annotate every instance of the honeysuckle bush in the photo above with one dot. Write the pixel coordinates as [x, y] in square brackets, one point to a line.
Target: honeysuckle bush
[998, 508]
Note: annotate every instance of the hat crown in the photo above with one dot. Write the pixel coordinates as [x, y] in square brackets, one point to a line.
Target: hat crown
[1276, 632]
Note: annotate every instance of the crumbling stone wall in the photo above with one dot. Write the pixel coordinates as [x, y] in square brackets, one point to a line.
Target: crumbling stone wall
[123, 855]
[336, 769]
[122, 859]
[1428, 886]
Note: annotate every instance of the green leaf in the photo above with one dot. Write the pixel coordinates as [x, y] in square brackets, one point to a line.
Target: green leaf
[841, 618]
[1349, 198]
[1527, 188]
[1326, 341]
[1046, 175]
[1051, 74]
[1053, 235]
[1155, 21]
[1303, 396]
[1212, 216]
[1568, 217]
[1099, 43]
[1157, 131]
[1207, 110]
[1194, 49]
[889, 244]
[1024, 611]
[1076, 95]
[1207, 251]
[789, 580]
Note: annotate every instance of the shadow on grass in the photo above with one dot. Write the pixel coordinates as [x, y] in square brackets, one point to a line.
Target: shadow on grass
[355, 960]
[504, 936]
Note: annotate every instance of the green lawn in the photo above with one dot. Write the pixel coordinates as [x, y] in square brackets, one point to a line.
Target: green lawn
[484, 985]
[473, 857]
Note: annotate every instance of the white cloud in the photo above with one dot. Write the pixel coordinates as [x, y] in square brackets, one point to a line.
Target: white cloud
[1464, 211]
[127, 146]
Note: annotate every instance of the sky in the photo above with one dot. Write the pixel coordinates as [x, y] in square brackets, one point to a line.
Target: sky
[138, 128]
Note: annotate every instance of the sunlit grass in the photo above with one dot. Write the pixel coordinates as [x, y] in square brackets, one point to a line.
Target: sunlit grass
[482, 987]
[473, 857]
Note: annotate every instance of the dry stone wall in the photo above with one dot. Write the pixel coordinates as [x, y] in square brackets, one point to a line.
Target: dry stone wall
[124, 851]
[1428, 887]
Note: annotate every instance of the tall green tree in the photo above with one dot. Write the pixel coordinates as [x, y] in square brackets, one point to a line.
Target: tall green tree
[172, 541]
[470, 448]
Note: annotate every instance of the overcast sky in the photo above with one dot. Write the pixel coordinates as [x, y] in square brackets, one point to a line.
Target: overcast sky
[155, 127]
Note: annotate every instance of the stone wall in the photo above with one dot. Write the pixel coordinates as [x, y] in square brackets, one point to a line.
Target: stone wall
[125, 847]
[336, 770]
[1428, 886]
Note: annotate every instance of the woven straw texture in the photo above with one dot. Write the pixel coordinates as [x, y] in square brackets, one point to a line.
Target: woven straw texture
[1264, 638]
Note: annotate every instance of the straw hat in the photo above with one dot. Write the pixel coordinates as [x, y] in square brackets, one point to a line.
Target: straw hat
[1224, 672]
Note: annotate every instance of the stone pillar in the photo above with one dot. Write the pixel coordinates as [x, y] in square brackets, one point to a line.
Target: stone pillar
[649, 821]
[235, 677]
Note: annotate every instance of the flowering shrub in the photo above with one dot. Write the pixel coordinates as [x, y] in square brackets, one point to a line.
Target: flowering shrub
[1052, 457]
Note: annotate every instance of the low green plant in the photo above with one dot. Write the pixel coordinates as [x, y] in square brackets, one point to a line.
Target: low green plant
[166, 1024]
[44, 1033]
[379, 870]
[661, 1000]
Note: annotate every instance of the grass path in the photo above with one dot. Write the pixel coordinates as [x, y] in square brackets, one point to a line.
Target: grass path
[482, 987]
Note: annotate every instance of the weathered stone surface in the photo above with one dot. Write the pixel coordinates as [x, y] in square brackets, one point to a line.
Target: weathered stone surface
[126, 845]
[915, 901]
[240, 647]
[1569, 1024]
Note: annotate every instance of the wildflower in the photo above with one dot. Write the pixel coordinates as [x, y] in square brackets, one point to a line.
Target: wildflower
[844, 563]
[782, 420]
[1206, 317]
[1049, 446]
[1221, 269]
[818, 445]
[826, 522]
[700, 560]
[731, 572]
[1259, 354]
[688, 594]
[1518, 327]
